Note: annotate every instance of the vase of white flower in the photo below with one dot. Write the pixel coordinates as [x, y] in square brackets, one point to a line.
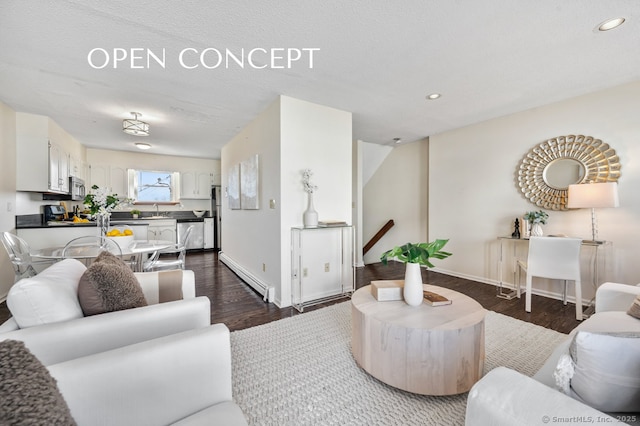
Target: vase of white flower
[100, 205]
[310, 215]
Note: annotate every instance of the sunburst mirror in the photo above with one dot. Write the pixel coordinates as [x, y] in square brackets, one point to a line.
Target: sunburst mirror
[545, 173]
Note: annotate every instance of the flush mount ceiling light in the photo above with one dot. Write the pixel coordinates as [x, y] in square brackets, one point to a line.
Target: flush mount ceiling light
[142, 145]
[610, 24]
[397, 140]
[134, 126]
[433, 96]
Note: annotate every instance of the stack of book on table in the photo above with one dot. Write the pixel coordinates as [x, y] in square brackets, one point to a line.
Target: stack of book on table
[390, 290]
[329, 223]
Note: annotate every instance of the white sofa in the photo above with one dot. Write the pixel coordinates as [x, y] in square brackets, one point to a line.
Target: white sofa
[58, 331]
[181, 379]
[506, 397]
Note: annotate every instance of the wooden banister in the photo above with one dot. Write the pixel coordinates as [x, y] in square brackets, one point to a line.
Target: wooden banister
[377, 237]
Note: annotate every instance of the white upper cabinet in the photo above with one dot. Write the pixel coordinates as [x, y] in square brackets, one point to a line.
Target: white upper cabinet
[195, 185]
[58, 169]
[114, 178]
[41, 157]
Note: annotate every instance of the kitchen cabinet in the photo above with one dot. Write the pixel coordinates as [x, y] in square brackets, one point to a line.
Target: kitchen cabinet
[58, 169]
[114, 178]
[77, 168]
[162, 229]
[42, 164]
[118, 181]
[58, 236]
[43, 154]
[196, 185]
[208, 233]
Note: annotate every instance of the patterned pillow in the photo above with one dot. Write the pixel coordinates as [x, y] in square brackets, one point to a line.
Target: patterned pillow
[28, 393]
[634, 309]
[109, 285]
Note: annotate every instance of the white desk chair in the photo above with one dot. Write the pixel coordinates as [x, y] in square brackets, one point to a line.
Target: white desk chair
[554, 258]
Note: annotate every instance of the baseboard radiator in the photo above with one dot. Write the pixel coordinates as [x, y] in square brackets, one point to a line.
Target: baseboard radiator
[268, 292]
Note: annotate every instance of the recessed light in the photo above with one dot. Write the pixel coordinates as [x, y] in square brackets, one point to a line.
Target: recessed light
[433, 96]
[141, 145]
[397, 140]
[610, 24]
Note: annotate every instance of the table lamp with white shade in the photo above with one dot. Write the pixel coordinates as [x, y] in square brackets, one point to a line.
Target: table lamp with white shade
[593, 196]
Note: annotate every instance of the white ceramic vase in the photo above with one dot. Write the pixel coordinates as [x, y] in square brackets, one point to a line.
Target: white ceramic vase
[310, 216]
[536, 230]
[412, 290]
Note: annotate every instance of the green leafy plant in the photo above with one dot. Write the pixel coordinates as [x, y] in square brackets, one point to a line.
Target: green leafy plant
[135, 211]
[537, 217]
[417, 253]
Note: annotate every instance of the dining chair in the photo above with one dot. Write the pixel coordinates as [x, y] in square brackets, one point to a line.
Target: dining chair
[176, 256]
[553, 258]
[88, 248]
[20, 256]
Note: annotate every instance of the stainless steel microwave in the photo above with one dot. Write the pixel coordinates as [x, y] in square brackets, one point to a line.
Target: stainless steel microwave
[77, 189]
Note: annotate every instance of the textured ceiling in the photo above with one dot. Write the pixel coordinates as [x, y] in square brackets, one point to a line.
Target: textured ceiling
[377, 59]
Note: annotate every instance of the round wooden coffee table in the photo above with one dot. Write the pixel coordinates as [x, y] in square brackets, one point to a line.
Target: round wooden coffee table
[429, 350]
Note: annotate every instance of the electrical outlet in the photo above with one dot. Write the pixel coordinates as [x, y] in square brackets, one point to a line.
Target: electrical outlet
[264, 267]
[305, 272]
[272, 204]
[326, 267]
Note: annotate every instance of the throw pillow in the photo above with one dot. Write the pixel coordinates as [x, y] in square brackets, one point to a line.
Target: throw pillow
[607, 370]
[51, 296]
[28, 393]
[109, 285]
[634, 310]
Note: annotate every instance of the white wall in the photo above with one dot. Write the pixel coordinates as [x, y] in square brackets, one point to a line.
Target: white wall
[474, 196]
[318, 138]
[289, 136]
[397, 190]
[251, 238]
[7, 190]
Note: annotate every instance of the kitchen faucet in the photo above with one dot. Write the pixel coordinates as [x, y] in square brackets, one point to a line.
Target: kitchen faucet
[157, 207]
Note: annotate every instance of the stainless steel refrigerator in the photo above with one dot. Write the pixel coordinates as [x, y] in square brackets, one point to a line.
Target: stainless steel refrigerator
[216, 209]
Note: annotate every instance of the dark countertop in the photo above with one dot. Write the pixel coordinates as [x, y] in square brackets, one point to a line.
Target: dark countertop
[117, 218]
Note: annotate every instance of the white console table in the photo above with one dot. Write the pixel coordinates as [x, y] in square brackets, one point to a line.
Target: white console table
[322, 264]
[595, 260]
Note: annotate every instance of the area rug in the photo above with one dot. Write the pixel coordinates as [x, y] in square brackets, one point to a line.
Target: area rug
[300, 371]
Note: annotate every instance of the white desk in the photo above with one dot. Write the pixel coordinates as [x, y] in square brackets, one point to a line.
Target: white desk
[137, 248]
[594, 267]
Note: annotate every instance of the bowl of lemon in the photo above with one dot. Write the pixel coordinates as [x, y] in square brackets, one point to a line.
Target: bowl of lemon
[121, 235]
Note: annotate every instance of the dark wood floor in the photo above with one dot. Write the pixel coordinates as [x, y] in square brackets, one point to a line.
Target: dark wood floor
[238, 306]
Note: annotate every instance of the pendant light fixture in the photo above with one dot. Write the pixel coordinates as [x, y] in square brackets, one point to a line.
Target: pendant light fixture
[134, 126]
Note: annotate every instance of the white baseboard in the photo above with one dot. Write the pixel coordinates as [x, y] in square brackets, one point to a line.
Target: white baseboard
[254, 282]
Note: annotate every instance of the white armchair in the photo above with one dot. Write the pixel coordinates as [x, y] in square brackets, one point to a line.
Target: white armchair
[506, 397]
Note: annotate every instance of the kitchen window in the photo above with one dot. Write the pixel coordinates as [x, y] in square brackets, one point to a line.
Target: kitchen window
[146, 186]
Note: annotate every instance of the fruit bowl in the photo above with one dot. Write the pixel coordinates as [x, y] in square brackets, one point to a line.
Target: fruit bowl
[121, 235]
[199, 213]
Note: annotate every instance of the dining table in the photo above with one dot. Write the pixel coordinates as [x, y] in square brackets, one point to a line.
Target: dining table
[138, 249]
